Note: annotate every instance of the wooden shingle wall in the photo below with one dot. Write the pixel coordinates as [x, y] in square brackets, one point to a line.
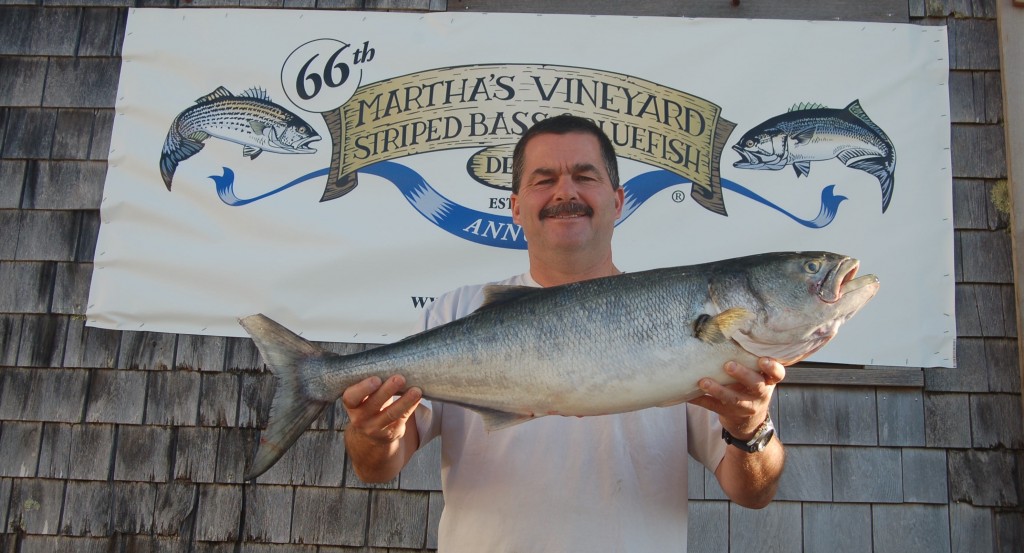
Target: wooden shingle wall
[135, 441]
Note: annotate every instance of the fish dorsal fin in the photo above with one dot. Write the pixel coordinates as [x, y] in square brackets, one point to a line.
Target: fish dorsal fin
[858, 112]
[256, 93]
[722, 326]
[499, 294]
[221, 92]
[805, 106]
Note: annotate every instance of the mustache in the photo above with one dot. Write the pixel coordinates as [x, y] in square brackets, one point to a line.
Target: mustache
[566, 208]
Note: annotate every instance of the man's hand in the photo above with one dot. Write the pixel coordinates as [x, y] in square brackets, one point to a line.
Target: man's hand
[742, 406]
[379, 438]
[748, 479]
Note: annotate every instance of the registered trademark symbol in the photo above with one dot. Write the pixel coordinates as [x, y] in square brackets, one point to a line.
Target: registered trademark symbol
[678, 196]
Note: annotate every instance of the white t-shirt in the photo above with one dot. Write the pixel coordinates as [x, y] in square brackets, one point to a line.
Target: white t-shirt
[563, 484]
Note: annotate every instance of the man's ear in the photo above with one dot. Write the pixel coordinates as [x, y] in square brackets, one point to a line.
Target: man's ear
[514, 206]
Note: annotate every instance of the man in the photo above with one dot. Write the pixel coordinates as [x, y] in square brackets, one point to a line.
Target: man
[608, 483]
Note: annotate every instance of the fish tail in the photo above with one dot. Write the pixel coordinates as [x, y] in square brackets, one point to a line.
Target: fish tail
[177, 148]
[293, 408]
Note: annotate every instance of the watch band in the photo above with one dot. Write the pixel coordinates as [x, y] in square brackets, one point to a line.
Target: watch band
[762, 436]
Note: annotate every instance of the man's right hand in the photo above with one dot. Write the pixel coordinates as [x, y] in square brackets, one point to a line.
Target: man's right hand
[379, 438]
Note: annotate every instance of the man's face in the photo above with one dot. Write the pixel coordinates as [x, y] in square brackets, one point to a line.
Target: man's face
[565, 199]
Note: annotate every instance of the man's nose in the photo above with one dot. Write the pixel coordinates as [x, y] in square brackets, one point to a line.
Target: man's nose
[565, 188]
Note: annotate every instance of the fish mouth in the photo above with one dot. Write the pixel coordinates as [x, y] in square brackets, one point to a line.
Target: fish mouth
[303, 144]
[566, 210]
[842, 279]
[753, 161]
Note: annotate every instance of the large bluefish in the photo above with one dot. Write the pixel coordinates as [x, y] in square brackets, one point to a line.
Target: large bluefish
[816, 133]
[250, 119]
[607, 345]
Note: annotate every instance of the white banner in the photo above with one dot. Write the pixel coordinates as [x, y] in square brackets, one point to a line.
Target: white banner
[337, 170]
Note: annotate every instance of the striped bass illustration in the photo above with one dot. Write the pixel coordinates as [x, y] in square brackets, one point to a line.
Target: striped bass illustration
[595, 347]
[250, 119]
[815, 133]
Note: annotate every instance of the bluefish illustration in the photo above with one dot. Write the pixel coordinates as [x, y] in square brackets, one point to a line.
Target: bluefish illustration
[811, 132]
[250, 119]
[607, 345]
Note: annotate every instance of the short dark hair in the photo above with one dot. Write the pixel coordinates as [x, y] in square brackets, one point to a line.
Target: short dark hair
[565, 124]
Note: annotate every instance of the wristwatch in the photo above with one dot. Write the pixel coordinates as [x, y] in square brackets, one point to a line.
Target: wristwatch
[762, 436]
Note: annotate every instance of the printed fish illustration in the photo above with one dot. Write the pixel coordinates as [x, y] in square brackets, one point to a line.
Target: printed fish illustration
[816, 133]
[250, 119]
[607, 345]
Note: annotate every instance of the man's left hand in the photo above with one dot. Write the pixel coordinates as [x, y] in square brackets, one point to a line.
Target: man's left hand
[742, 406]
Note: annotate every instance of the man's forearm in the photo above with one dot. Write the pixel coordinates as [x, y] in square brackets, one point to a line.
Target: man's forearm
[751, 479]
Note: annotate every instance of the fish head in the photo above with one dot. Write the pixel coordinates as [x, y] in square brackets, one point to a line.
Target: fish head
[800, 300]
[762, 148]
[296, 135]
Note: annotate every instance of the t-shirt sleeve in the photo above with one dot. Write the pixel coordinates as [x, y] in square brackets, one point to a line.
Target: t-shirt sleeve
[705, 441]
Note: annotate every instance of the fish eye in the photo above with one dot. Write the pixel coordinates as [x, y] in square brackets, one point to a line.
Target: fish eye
[812, 266]
[749, 143]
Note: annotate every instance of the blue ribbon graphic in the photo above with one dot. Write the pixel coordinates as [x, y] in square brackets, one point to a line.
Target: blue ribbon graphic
[499, 230]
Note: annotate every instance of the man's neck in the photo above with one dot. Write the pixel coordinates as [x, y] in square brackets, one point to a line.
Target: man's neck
[566, 269]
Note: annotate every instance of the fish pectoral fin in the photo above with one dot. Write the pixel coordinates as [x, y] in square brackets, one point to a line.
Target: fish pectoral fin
[497, 420]
[251, 152]
[497, 294]
[803, 136]
[257, 126]
[721, 327]
[802, 168]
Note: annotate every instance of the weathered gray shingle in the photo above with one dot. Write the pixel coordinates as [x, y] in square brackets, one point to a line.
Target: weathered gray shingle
[910, 528]
[146, 350]
[268, 513]
[970, 374]
[175, 508]
[100, 29]
[818, 415]
[92, 451]
[133, 507]
[779, 519]
[973, 44]
[29, 133]
[808, 474]
[316, 459]
[48, 236]
[944, 427]
[986, 256]
[88, 235]
[12, 180]
[315, 516]
[23, 81]
[980, 151]
[72, 134]
[975, 97]
[996, 421]
[234, 451]
[980, 477]
[900, 417]
[970, 528]
[53, 395]
[837, 527]
[220, 507]
[42, 341]
[10, 334]
[924, 476]
[64, 185]
[218, 399]
[424, 470]
[35, 506]
[172, 398]
[89, 347]
[397, 518]
[38, 31]
[81, 82]
[27, 286]
[1003, 365]
[19, 448]
[195, 452]
[201, 353]
[99, 147]
[143, 454]
[985, 310]
[116, 396]
[87, 508]
[867, 475]
[71, 289]
[708, 520]
[55, 451]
